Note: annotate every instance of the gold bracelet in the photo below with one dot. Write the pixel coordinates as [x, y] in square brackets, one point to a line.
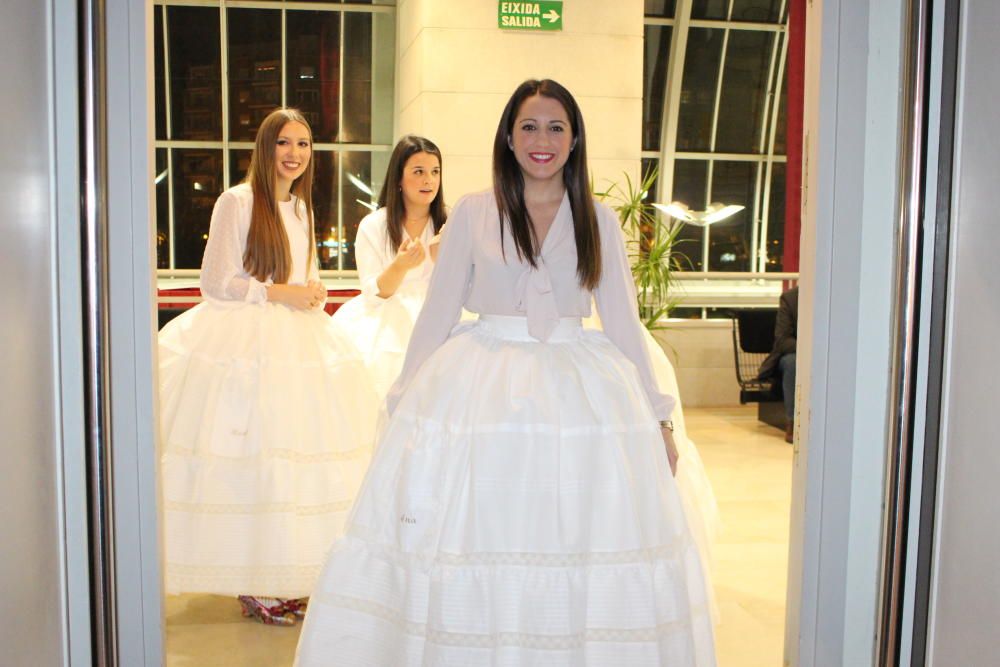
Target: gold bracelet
[667, 424]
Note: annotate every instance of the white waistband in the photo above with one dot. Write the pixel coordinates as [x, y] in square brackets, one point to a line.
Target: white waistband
[514, 327]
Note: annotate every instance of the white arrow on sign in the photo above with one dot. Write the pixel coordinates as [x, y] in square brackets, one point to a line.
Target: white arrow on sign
[552, 16]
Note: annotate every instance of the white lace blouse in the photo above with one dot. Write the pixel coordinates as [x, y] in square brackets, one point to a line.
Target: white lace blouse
[373, 255]
[471, 272]
[223, 277]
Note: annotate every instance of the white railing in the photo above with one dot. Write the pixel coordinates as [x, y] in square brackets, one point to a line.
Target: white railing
[694, 289]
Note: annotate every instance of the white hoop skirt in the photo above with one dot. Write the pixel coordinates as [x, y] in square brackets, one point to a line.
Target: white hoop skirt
[519, 512]
[381, 329]
[267, 424]
[700, 505]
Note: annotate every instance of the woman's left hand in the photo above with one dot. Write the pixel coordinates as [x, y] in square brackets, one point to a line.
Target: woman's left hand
[672, 455]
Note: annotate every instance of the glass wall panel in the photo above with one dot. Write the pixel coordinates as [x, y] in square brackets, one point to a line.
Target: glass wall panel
[709, 9]
[781, 127]
[162, 201]
[197, 183]
[730, 240]
[254, 69]
[313, 77]
[195, 73]
[776, 220]
[357, 78]
[357, 169]
[159, 74]
[325, 207]
[698, 87]
[239, 165]
[338, 64]
[691, 188]
[744, 91]
[758, 11]
[660, 8]
[654, 78]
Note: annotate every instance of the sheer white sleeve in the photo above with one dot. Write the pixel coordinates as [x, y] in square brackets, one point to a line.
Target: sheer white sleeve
[616, 304]
[222, 274]
[369, 261]
[448, 290]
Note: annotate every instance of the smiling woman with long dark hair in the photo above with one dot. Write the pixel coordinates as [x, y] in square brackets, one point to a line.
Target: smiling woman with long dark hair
[520, 508]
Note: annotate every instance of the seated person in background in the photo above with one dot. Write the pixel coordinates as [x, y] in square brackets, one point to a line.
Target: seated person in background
[780, 364]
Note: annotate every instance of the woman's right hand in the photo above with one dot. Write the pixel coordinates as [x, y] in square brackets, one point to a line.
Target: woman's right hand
[299, 297]
[410, 255]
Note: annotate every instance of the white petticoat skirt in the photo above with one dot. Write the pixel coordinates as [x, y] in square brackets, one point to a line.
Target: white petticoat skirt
[519, 512]
[267, 422]
[381, 329]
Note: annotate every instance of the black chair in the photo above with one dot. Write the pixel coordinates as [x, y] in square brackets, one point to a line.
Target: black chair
[753, 339]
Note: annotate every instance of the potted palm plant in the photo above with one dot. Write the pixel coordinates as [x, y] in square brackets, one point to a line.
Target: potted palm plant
[651, 244]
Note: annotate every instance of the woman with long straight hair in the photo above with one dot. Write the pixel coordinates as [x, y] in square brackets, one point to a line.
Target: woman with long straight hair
[395, 250]
[520, 508]
[266, 412]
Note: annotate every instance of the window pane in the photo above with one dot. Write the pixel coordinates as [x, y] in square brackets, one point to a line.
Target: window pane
[690, 187]
[660, 8]
[654, 77]
[729, 245]
[162, 210]
[709, 9]
[776, 220]
[325, 192]
[313, 78]
[254, 69]
[701, 72]
[197, 182]
[195, 73]
[239, 165]
[744, 91]
[648, 164]
[357, 78]
[159, 76]
[359, 166]
[757, 11]
[781, 126]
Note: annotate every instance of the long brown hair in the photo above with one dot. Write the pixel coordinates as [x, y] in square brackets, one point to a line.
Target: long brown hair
[268, 253]
[508, 185]
[391, 196]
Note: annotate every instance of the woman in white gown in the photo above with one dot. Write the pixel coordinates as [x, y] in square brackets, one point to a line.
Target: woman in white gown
[266, 412]
[520, 508]
[395, 248]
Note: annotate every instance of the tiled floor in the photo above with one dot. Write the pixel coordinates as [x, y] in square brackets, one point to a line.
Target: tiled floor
[750, 468]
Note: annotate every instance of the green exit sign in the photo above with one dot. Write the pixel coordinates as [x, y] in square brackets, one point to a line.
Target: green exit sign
[530, 15]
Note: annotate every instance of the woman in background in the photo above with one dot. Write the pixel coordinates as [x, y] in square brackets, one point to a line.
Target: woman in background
[395, 251]
[266, 411]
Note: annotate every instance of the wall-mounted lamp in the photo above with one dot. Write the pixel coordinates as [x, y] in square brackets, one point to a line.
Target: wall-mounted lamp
[715, 212]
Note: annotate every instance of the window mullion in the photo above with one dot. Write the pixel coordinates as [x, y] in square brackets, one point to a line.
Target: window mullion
[762, 254]
[171, 254]
[672, 99]
[224, 58]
